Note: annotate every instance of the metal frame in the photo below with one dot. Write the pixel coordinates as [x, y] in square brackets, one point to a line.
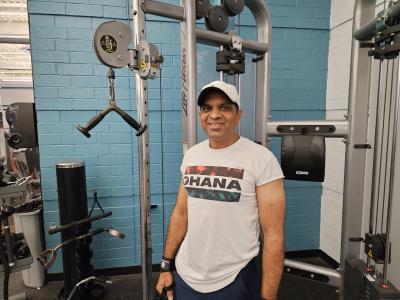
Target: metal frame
[384, 125]
[353, 194]
[144, 159]
[354, 130]
[190, 35]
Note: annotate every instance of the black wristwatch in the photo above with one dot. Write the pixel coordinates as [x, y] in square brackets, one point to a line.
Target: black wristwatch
[166, 264]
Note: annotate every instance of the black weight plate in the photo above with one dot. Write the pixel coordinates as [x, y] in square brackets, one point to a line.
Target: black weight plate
[234, 7]
[202, 8]
[217, 19]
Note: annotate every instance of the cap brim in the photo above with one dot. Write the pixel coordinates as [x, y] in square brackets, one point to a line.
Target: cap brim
[212, 89]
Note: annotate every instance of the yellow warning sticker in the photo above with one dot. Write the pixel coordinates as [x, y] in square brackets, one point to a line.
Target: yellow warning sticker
[143, 64]
[370, 253]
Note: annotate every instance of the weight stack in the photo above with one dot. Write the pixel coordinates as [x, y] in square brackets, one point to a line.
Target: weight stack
[72, 203]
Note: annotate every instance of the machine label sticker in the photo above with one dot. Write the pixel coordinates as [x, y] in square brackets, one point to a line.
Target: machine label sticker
[143, 64]
[213, 183]
[370, 253]
[108, 43]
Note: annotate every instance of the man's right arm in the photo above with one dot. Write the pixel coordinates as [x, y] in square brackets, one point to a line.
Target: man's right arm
[176, 232]
[177, 224]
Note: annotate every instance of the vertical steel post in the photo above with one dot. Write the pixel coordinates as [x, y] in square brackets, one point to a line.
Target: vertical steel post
[395, 98]
[263, 68]
[144, 159]
[353, 195]
[189, 74]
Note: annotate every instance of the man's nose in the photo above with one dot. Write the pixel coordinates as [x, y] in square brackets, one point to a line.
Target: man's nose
[215, 113]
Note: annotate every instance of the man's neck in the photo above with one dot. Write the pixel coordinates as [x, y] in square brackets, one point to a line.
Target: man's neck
[215, 144]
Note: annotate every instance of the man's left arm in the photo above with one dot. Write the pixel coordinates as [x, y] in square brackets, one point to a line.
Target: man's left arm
[271, 208]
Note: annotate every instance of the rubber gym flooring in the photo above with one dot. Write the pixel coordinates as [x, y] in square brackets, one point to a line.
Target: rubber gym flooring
[129, 287]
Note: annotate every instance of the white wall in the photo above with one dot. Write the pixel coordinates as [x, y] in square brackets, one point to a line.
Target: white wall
[336, 106]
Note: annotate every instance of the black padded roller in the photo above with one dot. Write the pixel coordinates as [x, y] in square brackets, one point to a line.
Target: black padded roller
[303, 157]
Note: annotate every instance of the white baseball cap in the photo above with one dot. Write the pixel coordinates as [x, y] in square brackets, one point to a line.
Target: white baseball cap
[219, 86]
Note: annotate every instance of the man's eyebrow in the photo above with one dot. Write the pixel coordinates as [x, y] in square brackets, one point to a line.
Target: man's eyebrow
[226, 104]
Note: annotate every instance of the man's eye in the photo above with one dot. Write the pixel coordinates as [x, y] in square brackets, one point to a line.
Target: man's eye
[204, 108]
[226, 108]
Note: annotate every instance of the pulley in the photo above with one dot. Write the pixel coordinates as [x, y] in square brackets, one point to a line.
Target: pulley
[233, 7]
[148, 60]
[217, 19]
[202, 8]
[111, 41]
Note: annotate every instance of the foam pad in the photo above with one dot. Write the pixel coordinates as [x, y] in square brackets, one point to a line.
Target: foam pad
[303, 157]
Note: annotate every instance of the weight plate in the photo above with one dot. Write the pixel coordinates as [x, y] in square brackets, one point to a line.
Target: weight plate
[202, 8]
[110, 42]
[233, 7]
[217, 19]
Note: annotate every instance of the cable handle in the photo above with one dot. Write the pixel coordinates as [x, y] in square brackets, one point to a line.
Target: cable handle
[140, 128]
[80, 222]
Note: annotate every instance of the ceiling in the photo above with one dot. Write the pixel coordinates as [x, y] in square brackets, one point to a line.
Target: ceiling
[15, 59]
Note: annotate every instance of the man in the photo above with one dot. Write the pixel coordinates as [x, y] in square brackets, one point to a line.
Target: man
[230, 186]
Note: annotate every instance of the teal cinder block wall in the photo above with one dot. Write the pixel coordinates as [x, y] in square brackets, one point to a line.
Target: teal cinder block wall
[70, 86]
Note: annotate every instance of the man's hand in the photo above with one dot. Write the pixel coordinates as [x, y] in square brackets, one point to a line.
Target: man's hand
[166, 281]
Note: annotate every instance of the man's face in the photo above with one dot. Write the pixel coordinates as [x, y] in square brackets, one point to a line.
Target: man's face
[219, 118]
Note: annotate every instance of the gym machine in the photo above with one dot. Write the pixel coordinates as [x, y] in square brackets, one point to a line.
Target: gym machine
[377, 38]
[145, 61]
[111, 41]
[14, 250]
[76, 236]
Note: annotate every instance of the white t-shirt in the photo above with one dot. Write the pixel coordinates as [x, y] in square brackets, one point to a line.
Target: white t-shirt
[223, 223]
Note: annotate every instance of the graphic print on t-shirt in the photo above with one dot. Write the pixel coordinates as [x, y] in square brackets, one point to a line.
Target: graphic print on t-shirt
[213, 183]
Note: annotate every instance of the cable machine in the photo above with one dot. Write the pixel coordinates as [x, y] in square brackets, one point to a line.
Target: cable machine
[375, 37]
[111, 42]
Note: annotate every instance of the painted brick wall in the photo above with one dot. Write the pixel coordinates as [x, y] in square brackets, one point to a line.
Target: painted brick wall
[299, 60]
[71, 86]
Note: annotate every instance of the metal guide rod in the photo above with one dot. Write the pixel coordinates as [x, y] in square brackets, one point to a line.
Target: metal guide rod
[392, 170]
[375, 173]
[381, 132]
[370, 28]
[263, 68]
[333, 275]
[341, 127]
[386, 129]
[374, 101]
[163, 10]
[353, 194]
[213, 38]
[144, 159]
[189, 74]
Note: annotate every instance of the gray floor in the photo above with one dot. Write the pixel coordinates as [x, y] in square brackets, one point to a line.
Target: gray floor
[129, 287]
[123, 287]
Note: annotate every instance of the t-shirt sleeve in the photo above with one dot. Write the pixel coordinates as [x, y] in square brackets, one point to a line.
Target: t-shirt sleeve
[183, 165]
[269, 169]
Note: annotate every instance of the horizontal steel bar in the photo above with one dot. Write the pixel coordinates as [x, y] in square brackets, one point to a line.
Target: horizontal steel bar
[334, 276]
[341, 128]
[163, 10]
[9, 39]
[213, 38]
[368, 30]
